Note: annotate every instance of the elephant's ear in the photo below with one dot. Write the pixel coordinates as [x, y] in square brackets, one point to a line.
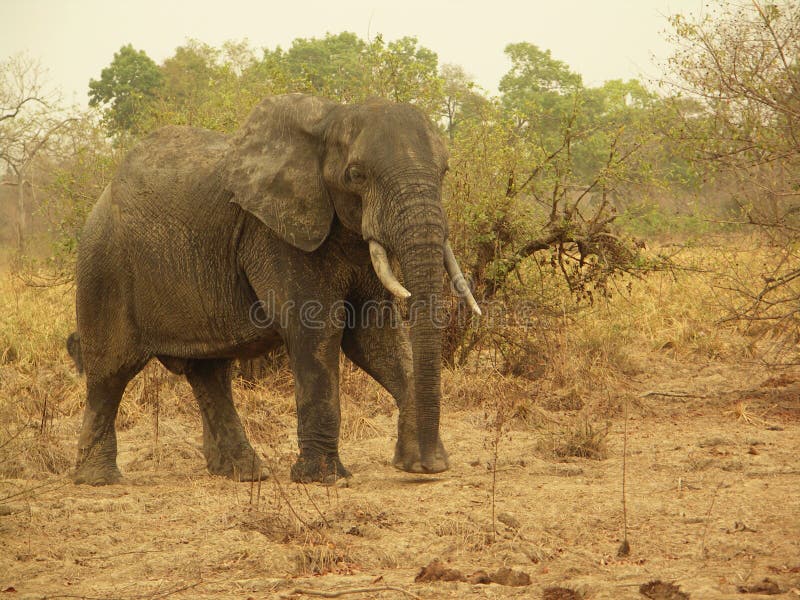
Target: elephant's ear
[274, 168]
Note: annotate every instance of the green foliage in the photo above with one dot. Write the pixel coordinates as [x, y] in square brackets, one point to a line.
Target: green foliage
[403, 71]
[654, 222]
[535, 77]
[526, 206]
[126, 89]
[215, 88]
[332, 66]
[208, 87]
[73, 189]
[461, 98]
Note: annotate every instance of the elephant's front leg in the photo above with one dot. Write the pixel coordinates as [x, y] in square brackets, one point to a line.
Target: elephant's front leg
[379, 344]
[314, 356]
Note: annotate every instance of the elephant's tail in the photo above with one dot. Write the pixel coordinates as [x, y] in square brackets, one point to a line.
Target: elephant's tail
[74, 349]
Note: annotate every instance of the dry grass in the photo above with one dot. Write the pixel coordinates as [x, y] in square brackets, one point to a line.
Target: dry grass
[581, 438]
[583, 362]
[507, 435]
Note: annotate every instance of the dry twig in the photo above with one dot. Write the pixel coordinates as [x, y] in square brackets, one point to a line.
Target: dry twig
[339, 593]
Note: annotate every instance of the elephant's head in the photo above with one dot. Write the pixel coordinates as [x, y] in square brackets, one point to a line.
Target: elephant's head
[379, 167]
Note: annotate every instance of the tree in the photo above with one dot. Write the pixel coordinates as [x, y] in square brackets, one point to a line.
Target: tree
[188, 74]
[461, 99]
[200, 88]
[403, 71]
[529, 195]
[126, 90]
[75, 181]
[331, 66]
[538, 87]
[346, 68]
[739, 67]
[30, 122]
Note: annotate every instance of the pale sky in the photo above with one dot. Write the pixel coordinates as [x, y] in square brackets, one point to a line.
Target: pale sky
[600, 39]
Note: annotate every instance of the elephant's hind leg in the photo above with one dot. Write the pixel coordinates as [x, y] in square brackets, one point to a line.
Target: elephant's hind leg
[97, 444]
[225, 445]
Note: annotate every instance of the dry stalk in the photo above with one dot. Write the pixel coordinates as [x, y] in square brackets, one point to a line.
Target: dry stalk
[496, 424]
[708, 520]
[258, 493]
[285, 498]
[314, 504]
[625, 547]
[253, 477]
[339, 593]
[148, 596]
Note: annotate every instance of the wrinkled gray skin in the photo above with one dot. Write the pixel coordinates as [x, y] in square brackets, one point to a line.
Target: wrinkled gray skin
[197, 227]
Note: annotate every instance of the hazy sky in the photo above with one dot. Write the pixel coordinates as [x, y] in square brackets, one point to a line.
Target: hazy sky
[600, 39]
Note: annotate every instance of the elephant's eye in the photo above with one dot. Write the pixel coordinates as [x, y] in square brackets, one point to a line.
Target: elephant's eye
[355, 174]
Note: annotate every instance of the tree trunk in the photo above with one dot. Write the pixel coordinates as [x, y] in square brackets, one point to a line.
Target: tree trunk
[21, 225]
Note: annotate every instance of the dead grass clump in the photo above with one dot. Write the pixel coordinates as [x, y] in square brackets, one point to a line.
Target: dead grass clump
[272, 368]
[322, 556]
[569, 400]
[8, 353]
[360, 427]
[467, 389]
[467, 536]
[375, 557]
[742, 411]
[275, 525]
[678, 314]
[581, 438]
[46, 454]
[661, 590]
[265, 412]
[31, 454]
[363, 402]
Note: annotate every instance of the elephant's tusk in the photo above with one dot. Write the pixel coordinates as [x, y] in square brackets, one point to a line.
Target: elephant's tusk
[459, 281]
[380, 262]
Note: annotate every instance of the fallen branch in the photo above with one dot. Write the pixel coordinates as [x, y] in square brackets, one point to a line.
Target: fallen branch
[339, 593]
[148, 596]
[669, 394]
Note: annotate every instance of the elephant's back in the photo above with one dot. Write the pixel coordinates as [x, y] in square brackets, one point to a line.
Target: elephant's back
[168, 163]
[158, 244]
[166, 195]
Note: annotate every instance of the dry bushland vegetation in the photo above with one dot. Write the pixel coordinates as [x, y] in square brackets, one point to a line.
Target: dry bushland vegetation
[636, 256]
[536, 483]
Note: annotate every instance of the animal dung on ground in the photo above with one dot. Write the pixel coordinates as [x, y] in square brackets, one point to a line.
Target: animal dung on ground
[560, 593]
[506, 576]
[767, 587]
[659, 590]
[437, 571]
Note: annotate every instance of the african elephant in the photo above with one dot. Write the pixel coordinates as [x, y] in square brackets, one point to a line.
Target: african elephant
[207, 247]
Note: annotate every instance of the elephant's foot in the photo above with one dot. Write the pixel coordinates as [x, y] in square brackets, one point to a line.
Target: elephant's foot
[96, 473]
[407, 457]
[325, 468]
[242, 464]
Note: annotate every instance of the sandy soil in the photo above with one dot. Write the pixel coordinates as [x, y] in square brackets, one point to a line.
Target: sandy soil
[713, 503]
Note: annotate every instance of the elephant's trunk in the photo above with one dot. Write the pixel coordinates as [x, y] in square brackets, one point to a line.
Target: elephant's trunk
[422, 265]
[414, 229]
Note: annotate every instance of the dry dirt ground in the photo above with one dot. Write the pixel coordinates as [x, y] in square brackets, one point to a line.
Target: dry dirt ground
[713, 504]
